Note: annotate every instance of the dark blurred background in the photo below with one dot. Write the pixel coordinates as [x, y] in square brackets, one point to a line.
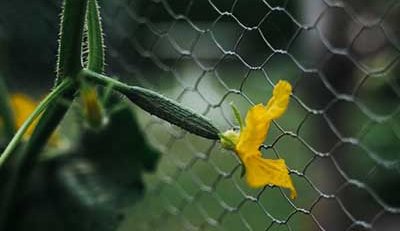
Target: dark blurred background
[340, 136]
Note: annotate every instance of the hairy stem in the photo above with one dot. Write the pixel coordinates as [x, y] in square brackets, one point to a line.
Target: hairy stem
[71, 34]
[95, 38]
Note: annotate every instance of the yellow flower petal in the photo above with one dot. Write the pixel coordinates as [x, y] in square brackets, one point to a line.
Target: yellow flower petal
[93, 109]
[277, 105]
[254, 132]
[261, 172]
[22, 107]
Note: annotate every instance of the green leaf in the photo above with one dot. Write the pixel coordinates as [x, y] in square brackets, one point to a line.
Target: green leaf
[121, 141]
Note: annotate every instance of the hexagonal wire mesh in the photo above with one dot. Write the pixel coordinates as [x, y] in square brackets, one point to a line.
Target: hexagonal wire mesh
[340, 136]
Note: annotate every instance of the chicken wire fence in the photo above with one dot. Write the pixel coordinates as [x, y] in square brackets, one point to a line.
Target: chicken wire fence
[340, 136]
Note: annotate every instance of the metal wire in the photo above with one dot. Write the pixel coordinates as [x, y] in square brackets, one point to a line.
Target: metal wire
[346, 98]
[340, 136]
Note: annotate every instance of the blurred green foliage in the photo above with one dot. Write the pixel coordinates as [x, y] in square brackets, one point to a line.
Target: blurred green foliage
[88, 187]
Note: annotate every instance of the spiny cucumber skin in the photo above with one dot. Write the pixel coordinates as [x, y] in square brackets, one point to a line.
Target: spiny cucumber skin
[172, 112]
[160, 106]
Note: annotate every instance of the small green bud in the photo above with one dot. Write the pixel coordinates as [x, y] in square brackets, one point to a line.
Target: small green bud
[229, 139]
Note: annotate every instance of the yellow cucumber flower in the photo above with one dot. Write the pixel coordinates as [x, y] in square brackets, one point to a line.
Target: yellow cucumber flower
[246, 143]
[22, 106]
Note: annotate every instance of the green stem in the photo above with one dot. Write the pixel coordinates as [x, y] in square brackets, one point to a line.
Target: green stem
[47, 124]
[54, 94]
[70, 47]
[95, 38]
[69, 64]
[160, 106]
[6, 111]
[24, 164]
[25, 161]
